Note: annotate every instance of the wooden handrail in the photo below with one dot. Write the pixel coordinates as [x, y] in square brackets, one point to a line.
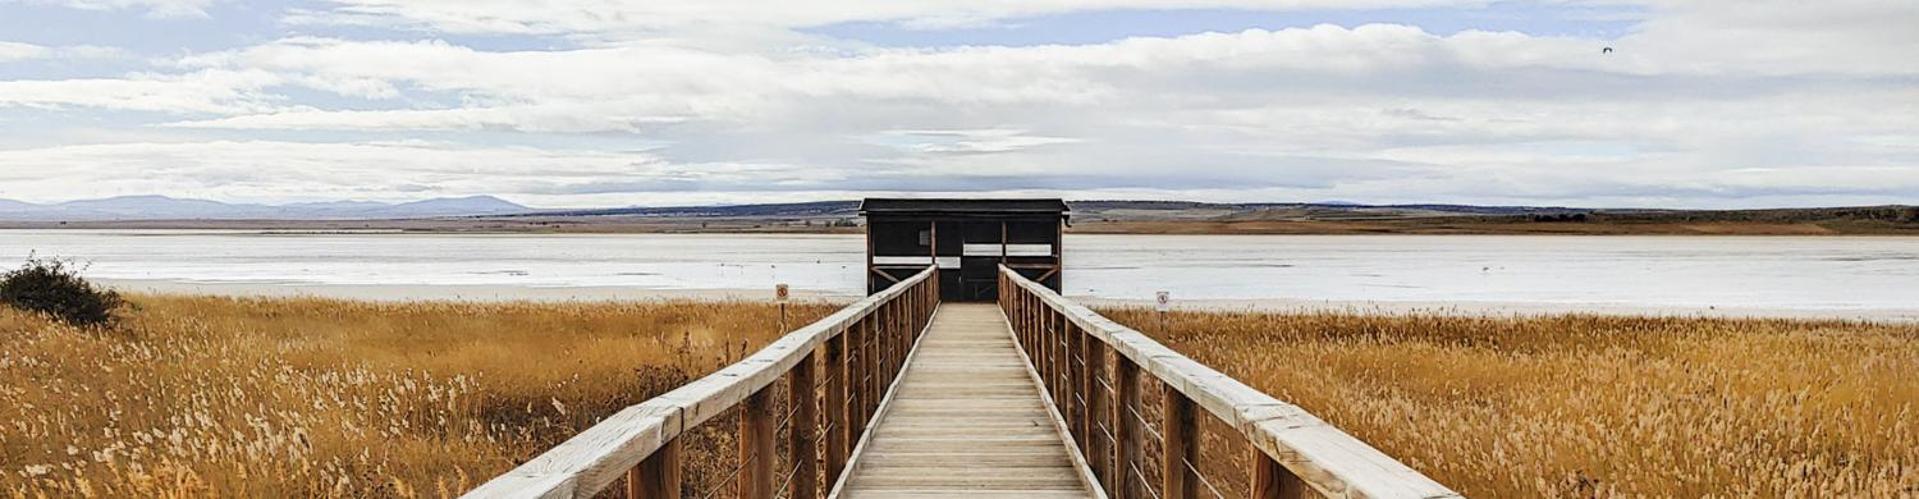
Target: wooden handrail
[1295, 450]
[642, 442]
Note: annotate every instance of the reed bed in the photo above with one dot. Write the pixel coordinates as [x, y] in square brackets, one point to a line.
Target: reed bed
[1585, 405]
[202, 396]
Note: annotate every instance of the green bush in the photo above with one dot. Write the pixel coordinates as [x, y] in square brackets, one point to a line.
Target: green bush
[55, 288]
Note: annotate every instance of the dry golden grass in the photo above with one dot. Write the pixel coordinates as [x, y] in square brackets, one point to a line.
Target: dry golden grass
[1585, 406]
[297, 398]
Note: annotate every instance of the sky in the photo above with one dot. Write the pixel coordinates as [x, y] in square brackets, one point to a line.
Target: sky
[601, 103]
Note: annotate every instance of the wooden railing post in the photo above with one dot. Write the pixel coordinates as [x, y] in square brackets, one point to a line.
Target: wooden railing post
[1032, 333]
[885, 346]
[1062, 365]
[1016, 312]
[804, 399]
[1049, 353]
[882, 352]
[834, 400]
[1272, 481]
[872, 367]
[1038, 348]
[1098, 448]
[1075, 377]
[658, 476]
[1178, 446]
[757, 446]
[894, 342]
[855, 393]
[1131, 430]
[897, 342]
[889, 345]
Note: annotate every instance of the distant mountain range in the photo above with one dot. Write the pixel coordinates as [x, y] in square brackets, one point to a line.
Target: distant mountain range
[1094, 209]
[491, 213]
[168, 208]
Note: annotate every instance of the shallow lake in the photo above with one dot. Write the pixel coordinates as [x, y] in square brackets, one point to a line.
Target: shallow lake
[1798, 273]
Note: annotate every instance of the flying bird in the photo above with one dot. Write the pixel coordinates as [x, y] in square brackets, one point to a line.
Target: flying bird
[1606, 50]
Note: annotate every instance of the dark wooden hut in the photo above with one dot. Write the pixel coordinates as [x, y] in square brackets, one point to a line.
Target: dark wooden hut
[968, 238]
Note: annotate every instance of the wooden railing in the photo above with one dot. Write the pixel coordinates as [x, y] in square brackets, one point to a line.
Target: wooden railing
[1286, 452]
[837, 370]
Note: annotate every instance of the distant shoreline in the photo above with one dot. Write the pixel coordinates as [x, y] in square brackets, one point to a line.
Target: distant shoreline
[452, 292]
[1520, 309]
[1410, 226]
[505, 293]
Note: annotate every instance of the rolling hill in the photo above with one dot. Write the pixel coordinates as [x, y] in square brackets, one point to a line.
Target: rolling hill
[132, 208]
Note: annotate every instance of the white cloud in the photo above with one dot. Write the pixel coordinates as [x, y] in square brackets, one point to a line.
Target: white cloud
[576, 17]
[550, 118]
[15, 51]
[206, 91]
[968, 141]
[258, 169]
[12, 51]
[155, 8]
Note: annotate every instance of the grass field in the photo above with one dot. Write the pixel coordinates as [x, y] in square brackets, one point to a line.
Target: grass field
[274, 398]
[303, 398]
[1587, 406]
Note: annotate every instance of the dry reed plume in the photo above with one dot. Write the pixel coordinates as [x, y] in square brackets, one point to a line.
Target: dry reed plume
[296, 398]
[1589, 406]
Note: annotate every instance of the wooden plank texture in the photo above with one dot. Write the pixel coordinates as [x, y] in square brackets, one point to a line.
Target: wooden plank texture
[966, 420]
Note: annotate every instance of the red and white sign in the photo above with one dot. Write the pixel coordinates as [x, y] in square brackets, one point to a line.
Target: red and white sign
[781, 292]
[1164, 301]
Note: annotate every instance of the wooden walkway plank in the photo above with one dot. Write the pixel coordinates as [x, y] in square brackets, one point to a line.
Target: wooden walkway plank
[966, 420]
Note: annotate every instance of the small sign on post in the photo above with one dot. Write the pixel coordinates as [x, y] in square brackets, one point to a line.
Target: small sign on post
[1163, 302]
[780, 293]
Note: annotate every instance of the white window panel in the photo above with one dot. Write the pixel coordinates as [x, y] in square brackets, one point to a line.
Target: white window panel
[1012, 250]
[902, 260]
[990, 249]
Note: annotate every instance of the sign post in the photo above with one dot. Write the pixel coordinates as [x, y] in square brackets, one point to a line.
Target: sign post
[780, 294]
[1163, 302]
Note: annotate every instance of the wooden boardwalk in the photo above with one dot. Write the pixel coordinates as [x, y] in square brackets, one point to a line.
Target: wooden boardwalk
[967, 419]
[966, 415]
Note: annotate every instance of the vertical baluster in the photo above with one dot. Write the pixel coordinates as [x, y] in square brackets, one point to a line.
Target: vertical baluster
[1272, 481]
[757, 446]
[1131, 431]
[657, 477]
[804, 400]
[1179, 445]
